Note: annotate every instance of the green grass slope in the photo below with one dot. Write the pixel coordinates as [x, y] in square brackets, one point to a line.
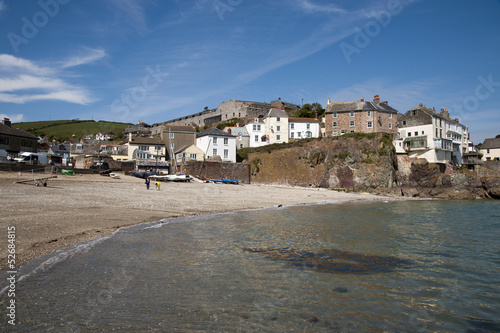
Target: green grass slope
[62, 130]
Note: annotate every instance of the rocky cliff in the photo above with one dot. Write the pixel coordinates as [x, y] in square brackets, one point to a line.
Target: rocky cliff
[364, 163]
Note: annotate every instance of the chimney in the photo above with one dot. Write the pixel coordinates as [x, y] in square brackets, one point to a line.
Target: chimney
[421, 105]
[444, 112]
[282, 106]
[329, 102]
[376, 99]
[362, 99]
[229, 131]
[7, 122]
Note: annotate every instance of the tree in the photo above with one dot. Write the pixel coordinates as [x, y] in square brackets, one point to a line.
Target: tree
[309, 110]
[498, 136]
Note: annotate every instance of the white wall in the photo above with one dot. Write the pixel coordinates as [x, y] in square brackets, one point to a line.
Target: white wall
[206, 144]
[302, 129]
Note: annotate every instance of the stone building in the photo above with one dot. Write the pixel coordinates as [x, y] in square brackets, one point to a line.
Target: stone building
[360, 116]
[232, 109]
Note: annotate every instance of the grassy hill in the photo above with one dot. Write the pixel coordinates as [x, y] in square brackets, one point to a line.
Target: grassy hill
[62, 130]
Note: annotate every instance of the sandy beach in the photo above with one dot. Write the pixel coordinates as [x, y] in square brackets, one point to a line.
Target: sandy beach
[76, 208]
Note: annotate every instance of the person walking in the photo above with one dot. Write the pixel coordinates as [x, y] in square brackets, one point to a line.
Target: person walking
[147, 183]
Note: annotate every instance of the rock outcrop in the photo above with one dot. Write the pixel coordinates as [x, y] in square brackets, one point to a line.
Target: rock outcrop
[364, 163]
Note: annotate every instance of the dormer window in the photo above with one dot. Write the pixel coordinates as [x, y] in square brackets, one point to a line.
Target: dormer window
[351, 113]
[256, 120]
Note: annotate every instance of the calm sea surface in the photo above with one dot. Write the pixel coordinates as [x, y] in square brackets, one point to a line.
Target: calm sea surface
[418, 266]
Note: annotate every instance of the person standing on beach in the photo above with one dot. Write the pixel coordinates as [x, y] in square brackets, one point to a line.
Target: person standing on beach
[147, 183]
[158, 184]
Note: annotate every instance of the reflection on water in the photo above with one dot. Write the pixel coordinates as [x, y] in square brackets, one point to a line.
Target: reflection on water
[334, 261]
[426, 266]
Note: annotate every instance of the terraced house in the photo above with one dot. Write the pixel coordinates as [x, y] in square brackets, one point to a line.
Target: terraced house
[360, 116]
[424, 133]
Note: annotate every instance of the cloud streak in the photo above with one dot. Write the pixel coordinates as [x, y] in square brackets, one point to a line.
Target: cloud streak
[311, 7]
[23, 81]
[91, 56]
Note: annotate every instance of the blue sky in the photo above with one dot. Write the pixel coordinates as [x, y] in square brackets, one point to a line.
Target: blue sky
[152, 60]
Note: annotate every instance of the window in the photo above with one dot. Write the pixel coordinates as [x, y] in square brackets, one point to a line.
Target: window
[171, 135]
[404, 122]
[278, 128]
[352, 131]
[335, 124]
[292, 126]
[254, 127]
[80, 147]
[308, 126]
[226, 153]
[390, 115]
[351, 113]
[256, 120]
[487, 151]
[368, 113]
[334, 115]
[226, 141]
[256, 138]
[299, 135]
[157, 147]
[437, 132]
[4, 141]
[390, 125]
[278, 137]
[292, 134]
[342, 132]
[241, 145]
[172, 146]
[144, 148]
[215, 140]
[214, 152]
[258, 127]
[416, 133]
[26, 143]
[351, 123]
[369, 124]
[278, 118]
[423, 133]
[409, 133]
[335, 133]
[309, 134]
[414, 112]
[192, 156]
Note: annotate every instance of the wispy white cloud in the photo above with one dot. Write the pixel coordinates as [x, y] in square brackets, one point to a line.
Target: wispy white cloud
[311, 7]
[3, 6]
[131, 12]
[23, 81]
[89, 56]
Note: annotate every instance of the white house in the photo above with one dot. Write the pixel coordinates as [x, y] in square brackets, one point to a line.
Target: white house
[300, 128]
[215, 142]
[140, 148]
[190, 153]
[491, 149]
[424, 133]
[256, 129]
[276, 126]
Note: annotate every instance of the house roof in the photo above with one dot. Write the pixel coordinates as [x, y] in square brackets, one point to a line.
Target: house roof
[236, 130]
[251, 120]
[302, 120]
[146, 141]
[7, 130]
[184, 148]
[277, 113]
[214, 132]
[359, 106]
[491, 143]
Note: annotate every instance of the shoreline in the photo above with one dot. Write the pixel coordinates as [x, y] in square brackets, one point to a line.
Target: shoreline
[75, 209]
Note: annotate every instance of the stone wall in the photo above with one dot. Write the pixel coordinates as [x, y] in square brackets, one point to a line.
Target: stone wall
[218, 170]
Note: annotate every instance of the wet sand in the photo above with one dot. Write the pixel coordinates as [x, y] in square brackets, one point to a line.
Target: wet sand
[76, 208]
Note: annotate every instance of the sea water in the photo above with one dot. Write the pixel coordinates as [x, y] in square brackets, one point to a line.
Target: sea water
[414, 266]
